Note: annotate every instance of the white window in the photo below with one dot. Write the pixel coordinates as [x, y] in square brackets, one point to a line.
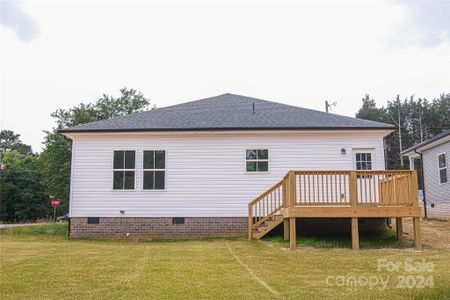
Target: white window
[442, 167]
[363, 160]
[154, 170]
[124, 170]
[257, 160]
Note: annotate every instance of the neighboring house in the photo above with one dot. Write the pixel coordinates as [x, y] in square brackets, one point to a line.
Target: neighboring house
[191, 169]
[435, 154]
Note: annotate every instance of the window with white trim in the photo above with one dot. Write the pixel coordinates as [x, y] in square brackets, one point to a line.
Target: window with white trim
[363, 160]
[154, 170]
[124, 170]
[442, 167]
[257, 160]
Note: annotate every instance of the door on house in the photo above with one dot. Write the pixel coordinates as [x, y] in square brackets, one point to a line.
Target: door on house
[364, 159]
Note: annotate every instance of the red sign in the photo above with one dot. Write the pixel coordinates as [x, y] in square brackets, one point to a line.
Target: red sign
[55, 203]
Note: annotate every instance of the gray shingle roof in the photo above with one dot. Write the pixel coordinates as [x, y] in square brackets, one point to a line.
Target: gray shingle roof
[228, 112]
[426, 142]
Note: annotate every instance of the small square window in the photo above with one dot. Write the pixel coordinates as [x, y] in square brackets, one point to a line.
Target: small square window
[257, 160]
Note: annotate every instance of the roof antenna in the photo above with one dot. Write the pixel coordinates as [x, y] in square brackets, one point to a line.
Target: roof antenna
[329, 105]
[253, 108]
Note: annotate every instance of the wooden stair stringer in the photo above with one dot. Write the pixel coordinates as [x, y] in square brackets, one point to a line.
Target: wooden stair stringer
[267, 226]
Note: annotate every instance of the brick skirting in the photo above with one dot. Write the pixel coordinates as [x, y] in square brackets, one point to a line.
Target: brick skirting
[196, 227]
[158, 227]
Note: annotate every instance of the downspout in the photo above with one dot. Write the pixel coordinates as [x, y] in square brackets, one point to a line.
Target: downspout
[423, 182]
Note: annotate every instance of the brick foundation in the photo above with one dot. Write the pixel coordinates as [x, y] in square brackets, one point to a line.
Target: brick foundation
[197, 227]
[158, 227]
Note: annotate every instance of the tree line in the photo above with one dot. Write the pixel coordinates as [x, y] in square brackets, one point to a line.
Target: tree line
[27, 179]
[416, 120]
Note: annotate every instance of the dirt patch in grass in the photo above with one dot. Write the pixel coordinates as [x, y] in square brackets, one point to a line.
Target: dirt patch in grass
[435, 236]
[435, 232]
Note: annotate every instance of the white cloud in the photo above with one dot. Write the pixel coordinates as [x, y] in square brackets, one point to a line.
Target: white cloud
[173, 51]
[12, 16]
[425, 24]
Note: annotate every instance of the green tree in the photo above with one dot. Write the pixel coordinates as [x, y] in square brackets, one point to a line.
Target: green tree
[56, 156]
[9, 141]
[22, 195]
[369, 110]
[420, 119]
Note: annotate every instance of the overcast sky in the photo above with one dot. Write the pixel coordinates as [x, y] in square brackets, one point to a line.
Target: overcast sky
[56, 54]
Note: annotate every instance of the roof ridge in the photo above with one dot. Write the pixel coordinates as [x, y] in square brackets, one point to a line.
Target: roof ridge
[303, 108]
[428, 141]
[228, 111]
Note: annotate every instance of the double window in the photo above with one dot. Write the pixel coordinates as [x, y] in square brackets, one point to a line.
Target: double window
[442, 167]
[154, 170]
[124, 170]
[257, 160]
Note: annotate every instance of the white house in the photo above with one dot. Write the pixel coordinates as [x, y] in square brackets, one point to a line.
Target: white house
[191, 169]
[434, 157]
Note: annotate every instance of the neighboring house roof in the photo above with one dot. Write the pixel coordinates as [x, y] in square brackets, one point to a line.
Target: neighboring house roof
[228, 112]
[434, 141]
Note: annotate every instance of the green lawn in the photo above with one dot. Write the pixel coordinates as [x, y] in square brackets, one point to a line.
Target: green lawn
[40, 263]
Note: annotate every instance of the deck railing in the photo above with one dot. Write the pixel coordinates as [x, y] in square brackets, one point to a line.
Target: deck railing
[369, 188]
[378, 188]
[267, 204]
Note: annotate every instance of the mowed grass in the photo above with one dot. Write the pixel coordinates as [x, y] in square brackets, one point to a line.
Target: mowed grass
[39, 262]
[384, 239]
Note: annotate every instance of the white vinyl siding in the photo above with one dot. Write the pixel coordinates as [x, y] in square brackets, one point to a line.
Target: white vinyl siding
[205, 173]
[437, 193]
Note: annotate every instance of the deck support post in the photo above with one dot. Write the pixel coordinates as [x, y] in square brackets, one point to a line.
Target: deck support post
[415, 202]
[355, 234]
[286, 229]
[399, 227]
[250, 223]
[292, 235]
[417, 233]
[354, 204]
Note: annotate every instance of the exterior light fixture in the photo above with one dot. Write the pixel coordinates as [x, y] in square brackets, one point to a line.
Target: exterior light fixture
[343, 151]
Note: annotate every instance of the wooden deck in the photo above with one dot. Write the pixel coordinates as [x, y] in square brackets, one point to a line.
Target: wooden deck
[336, 194]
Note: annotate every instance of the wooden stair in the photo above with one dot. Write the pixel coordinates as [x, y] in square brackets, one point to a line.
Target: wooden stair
[266, 226]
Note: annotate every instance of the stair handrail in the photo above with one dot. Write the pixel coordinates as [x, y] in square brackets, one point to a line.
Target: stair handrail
[254, 221]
